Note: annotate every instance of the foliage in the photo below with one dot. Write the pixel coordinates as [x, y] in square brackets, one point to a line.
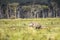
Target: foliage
[44, 7]
[27, 8]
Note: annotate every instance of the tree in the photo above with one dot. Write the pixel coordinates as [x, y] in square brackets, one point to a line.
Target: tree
[56, 6]
[14, 7]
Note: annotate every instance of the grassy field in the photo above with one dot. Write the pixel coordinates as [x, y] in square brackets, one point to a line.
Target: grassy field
[14, 29]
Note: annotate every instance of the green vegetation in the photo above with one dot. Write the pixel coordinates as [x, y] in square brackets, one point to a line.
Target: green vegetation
[18, 29]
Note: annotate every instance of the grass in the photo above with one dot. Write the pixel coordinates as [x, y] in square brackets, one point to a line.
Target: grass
[14, 29]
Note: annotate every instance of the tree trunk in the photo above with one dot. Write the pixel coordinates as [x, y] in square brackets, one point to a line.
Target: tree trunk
[0, 13]
[7, 13]
[43, 13]
[15, 13]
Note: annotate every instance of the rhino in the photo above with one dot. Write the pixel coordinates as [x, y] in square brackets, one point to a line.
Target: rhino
[35, 25]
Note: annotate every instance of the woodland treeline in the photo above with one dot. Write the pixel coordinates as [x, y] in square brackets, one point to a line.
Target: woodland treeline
[29, 9]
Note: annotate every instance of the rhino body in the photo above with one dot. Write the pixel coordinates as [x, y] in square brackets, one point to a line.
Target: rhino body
[34, 24]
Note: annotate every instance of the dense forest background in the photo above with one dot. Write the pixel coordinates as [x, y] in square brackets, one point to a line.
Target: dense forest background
[29, 8]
